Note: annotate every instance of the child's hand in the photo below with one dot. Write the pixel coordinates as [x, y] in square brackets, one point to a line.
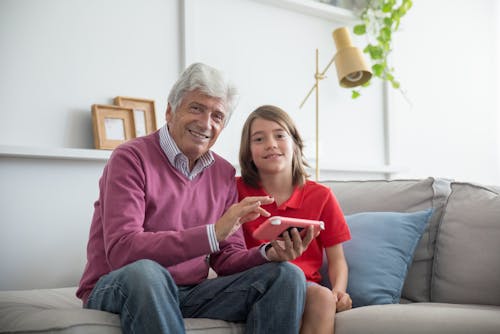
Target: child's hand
[344, 301]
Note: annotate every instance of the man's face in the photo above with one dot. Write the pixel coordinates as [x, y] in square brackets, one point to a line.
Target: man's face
[196, 124]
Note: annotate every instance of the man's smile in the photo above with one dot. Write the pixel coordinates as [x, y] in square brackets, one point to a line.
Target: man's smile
[198, 134]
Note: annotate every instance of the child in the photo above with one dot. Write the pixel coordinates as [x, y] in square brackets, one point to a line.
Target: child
[272, 163]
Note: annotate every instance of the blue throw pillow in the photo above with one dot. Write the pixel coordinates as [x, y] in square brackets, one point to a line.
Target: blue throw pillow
[380, 254]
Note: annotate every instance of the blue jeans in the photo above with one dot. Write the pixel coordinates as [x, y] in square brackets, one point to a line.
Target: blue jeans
[268, 298]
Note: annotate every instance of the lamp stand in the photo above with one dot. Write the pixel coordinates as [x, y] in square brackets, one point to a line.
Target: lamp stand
[317, 77]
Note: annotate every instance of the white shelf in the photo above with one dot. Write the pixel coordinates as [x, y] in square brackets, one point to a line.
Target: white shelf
[315, 8]
[103, 155]
[385, 169]
[353, 169]
[53, 153]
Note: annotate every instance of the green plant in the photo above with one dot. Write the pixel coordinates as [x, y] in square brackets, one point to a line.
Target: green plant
[381, 18]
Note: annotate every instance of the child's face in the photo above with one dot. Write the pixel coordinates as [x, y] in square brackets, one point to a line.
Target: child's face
[271, 146]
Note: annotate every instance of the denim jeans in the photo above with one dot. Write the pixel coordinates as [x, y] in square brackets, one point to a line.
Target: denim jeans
[268, 298]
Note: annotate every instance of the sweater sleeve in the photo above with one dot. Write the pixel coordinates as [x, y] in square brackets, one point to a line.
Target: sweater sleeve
[123, 212]
[233, 255]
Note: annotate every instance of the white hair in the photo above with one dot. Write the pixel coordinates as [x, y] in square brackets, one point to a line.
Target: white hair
[209, 81]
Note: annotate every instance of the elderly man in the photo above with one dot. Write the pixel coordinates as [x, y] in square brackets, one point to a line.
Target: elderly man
[167, 211]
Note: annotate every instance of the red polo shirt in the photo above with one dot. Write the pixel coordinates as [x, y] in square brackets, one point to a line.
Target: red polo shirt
[312, 201]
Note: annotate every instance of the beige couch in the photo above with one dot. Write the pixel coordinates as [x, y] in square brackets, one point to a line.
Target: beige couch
[452, 286]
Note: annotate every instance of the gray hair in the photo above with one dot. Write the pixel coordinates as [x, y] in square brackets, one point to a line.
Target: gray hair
[209, 81]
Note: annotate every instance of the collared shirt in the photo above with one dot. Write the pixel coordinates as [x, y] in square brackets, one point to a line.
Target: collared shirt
[181, 162]
[312, 201]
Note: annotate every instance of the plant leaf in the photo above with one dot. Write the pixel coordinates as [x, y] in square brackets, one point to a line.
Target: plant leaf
[359, 29]
[380, 19]
[378, 70]
[375, 52]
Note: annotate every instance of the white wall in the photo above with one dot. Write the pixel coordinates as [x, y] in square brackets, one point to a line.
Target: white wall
[64, 55]
[46, 209]
[270, 53]
[58, 57]
[496, 72]
[447, 59]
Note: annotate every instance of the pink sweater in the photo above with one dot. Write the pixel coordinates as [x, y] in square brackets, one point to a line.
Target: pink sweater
[148, 210]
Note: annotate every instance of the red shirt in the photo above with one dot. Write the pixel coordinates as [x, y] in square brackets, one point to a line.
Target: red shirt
[312, 201]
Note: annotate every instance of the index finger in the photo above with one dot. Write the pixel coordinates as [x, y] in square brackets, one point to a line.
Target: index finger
[262, 199]
[253, 208]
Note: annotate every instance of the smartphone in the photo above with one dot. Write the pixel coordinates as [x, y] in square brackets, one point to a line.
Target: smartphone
[273, 227]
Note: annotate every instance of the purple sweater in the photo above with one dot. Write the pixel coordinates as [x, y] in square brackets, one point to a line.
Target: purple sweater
[148, 210]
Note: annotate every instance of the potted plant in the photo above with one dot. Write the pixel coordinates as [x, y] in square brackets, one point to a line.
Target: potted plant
[380, 19]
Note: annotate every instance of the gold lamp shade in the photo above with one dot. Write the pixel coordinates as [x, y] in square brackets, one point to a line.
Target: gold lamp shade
[352, 69]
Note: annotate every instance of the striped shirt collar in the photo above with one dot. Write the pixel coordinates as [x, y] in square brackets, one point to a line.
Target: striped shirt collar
[179, 160]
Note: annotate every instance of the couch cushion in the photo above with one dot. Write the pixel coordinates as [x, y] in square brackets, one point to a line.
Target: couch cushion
[418, 318]
[380, 253]
[467, 264]
[49, 311]
[59, 311]
[400, 196]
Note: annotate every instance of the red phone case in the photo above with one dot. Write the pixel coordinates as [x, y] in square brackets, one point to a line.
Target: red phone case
[273, 227]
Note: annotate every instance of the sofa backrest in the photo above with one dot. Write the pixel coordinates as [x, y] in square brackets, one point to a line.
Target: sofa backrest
[458, 257]
[467, 256]
[401, 196]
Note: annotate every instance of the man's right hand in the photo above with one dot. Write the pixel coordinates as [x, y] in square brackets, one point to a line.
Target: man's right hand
[247, 210]
[292, 245]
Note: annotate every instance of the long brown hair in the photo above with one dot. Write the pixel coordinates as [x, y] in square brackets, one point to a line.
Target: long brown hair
[249, 171]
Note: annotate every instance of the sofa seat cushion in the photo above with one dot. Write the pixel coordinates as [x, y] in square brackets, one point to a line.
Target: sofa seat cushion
[51, 310]
[418, 318]
[60, 311]
[466, 264]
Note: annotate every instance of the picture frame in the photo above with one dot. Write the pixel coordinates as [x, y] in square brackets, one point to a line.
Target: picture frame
[143, 112]
[112, 125]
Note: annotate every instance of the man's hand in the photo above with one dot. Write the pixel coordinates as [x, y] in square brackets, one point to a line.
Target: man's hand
[291, 247]
[247, 210]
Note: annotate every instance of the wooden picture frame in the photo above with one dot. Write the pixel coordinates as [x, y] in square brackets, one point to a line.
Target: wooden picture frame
[143, 112]
[112, 125]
